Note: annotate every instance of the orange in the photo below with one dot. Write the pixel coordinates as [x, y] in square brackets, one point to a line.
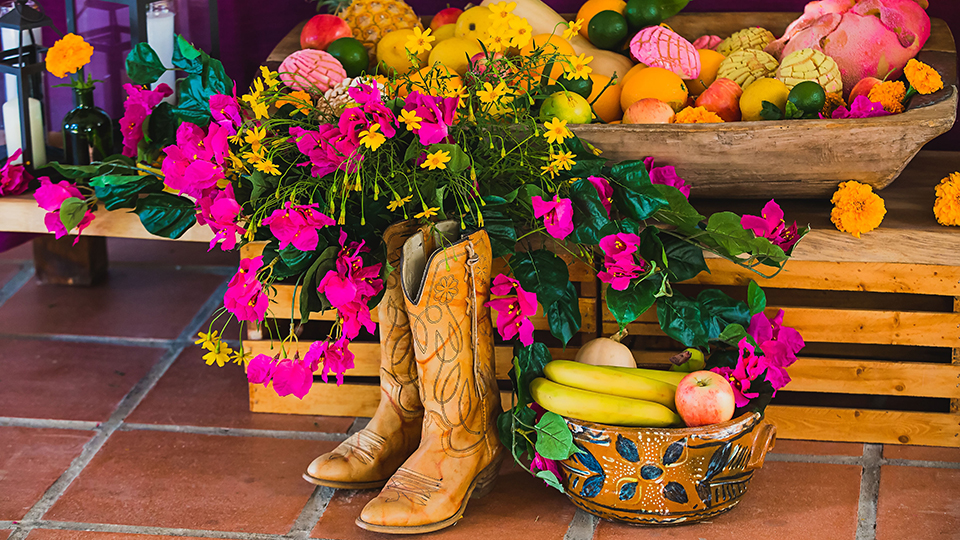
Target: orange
[655, 82]
[592, 7]
[709, 65]
[633, 71]
[607, 106]
[551, 44]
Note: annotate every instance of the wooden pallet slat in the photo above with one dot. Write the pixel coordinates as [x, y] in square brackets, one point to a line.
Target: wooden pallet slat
[864, 425]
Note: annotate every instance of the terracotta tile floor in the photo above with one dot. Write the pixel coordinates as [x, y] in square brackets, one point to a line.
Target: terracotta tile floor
[113, 428]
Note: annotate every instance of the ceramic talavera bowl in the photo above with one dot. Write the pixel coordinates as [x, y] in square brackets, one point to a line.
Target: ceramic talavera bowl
[664, 476]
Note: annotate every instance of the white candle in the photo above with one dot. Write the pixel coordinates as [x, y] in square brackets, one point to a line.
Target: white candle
[160, 37]
[11, 123]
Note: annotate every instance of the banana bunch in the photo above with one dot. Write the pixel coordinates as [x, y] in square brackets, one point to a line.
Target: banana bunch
[611, 395]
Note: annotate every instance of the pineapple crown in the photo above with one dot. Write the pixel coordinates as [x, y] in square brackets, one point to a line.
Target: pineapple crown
[331, 6]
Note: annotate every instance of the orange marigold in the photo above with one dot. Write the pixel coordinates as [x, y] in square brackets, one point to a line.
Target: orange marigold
[834, 101]
[890, 94]
[856, 208]
[697, 115]
[947, 206]
[68, 55]
[923, 78]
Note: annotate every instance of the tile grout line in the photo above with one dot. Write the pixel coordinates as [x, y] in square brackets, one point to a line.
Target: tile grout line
[41, 423]
[238, 432]
[582, 527]
[15, 283]
[921, 463]
[154, 531]
[102, 340]
[126, 406]
[311, 513]
[811, 458]
[869, 492]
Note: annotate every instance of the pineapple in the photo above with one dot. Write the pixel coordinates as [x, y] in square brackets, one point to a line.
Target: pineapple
[370, 20]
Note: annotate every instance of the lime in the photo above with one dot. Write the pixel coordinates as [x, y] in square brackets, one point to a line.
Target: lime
[351, 53]
[607, 30]
[642, 13]
[580, 86]
[568, 106]
[808, 96]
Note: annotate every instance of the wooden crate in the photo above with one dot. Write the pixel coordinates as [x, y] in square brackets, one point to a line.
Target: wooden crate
[360, 394]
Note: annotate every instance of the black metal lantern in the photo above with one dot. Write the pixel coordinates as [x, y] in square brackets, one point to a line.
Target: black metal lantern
[138, 21]
[25, 64]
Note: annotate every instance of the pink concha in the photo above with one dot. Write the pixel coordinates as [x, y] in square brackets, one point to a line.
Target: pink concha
[657, 46]
[707, 42]
[311, 70]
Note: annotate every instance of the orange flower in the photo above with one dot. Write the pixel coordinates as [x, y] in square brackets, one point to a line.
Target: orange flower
[890, 94]
[299, 99]
[697, 115]
[834, 101]
[68, 55]
[856, 208]
[947, 206]
[923, 78]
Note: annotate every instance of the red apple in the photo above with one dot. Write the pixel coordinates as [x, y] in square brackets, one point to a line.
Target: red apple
[648, 111]
[705, 397]
[322, 30]
[723, 98]
[445, 16]
[863, 88]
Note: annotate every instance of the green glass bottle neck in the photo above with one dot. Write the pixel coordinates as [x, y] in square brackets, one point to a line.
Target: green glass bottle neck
[83, 97]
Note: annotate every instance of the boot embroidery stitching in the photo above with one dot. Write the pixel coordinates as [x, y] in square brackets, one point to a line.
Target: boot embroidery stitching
[366, 445]
[413, 486]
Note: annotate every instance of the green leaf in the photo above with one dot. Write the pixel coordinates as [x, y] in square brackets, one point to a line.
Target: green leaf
[166, 215]
[459, 160]
[554, 439]
[684, 260]
[414, 149]
[510, 428]
[587, 163]
[771, 112]
[756, 298]
[72, 211]
[123, 191]
[499, 227]
[627, 305]
[680, 318]
[162, 125]
[732, 334]
[262, 184]
[564, 315]
[551, 480]
[186, 57]
[634, 195]
[725, 229]
[143, 65]
[193, 102]
[542, 272]
[792, 112]
[73, 172]
[679, 212]
[651, 248]
[589, 213]
[718, 310]
[528, 364]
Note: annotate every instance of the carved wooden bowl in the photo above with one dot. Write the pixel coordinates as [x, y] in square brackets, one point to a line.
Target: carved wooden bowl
[664, 476]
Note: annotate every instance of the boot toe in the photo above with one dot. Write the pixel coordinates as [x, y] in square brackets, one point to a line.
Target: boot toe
[332, 467]
[389, 510]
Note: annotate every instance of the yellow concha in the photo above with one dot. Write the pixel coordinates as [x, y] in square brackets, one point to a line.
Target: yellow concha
[602, 408]
[810, 65]
[748, 38]
[746, 66]
[605, 380]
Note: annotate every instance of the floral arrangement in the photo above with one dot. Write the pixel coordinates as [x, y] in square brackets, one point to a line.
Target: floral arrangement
[320, 181]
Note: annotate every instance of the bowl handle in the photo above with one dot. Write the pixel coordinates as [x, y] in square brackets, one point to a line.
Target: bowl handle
[763, 441]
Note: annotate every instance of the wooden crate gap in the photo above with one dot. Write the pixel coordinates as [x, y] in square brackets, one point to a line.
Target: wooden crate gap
[866, 402]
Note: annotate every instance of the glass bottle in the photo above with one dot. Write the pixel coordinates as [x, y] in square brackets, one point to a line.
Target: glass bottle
[87, 130]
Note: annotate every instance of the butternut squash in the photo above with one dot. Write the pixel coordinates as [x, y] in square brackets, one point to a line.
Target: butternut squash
[544, 20]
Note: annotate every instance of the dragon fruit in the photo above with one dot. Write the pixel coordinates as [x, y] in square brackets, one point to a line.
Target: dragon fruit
[867, 38]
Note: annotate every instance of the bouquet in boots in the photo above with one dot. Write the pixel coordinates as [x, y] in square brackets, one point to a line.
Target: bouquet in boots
[442, 205]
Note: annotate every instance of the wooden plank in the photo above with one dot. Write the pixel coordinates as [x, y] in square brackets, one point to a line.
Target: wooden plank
[955, 360]
[327, 400]
[367, 355]
[842, 326]
[838, 276]
[21, 214]
[61, 262]
[863, 425]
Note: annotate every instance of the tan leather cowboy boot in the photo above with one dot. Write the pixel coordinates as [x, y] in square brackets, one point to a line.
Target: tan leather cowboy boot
[368, 458]
[459, 454]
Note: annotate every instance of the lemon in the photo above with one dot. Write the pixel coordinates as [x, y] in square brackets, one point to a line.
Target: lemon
[455, 53]
[751, 102]
[569, 106]
[392, 52]
[446, 31]
[474, 23]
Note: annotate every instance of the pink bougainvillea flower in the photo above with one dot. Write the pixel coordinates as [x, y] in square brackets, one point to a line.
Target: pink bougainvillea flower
[327, 149]
[770, 225]
[436, 116]
[138, 105]
[226, 110]
[220, 213]
[746, 375]
[619, 274]
[260, 369]
[557, 215]
[604, 191]
[297, 225]
[666, 176]
[292, 377]
[14, 178]
[619, 247]
[194, 164]
[245, 297]
[513, 312]
[350, 287]
[541, 463]
[50, 197]
[860, 108]
[336, 358]
[767, 332]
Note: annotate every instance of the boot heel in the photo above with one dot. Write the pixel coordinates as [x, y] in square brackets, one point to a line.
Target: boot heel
[487, 479]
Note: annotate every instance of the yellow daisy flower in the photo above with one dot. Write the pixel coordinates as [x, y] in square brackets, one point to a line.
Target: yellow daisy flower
[520, 32]
[410, 118]
[208, 341]
[254, 138]
[267, 166]
[436, 160]
[502, 10]
[269, 77]
[489, 94]
[398, 202]
[573, 28]
[563, 161]
[420, 41]
[578, 68]
[372, 138]
[427, 213]
[551, 168]
[556, 131]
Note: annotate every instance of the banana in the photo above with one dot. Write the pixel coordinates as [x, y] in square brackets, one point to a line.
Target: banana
[669, 377]
[604, 380]
[602, 408]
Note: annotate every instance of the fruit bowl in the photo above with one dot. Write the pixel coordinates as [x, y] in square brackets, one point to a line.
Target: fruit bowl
[664, 476]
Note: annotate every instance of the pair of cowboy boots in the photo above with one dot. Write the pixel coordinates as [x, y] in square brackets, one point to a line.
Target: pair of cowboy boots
[432, 442]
